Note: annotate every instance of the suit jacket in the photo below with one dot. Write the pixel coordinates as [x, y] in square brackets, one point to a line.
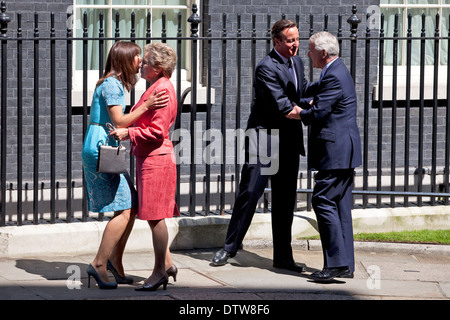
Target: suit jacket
[149, 135]
[274, 93]
[334, 141]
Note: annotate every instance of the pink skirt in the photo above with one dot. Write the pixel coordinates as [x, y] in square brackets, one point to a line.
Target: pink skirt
[156, 181]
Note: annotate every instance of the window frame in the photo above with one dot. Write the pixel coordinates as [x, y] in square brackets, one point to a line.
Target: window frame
[415, 70]
[93, 75]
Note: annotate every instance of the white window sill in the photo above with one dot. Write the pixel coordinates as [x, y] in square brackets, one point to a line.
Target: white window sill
[415, 83]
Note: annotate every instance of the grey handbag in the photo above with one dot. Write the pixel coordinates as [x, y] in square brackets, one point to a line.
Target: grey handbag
[112, 159]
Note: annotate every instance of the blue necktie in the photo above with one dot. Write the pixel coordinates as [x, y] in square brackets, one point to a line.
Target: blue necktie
[292, 72]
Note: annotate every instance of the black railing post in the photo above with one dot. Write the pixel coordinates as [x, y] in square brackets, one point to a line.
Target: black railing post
[69, 52]
[394, 107]
[117, 29]
[148, 31]
[4, 20]
[353, 21]
[253, 54]
[420, 168]
[447, 127]
[101, 45]
[194, 20]
[208, 119]
[380, 110]
[435, 111]
[268, 34]
[366, 115]
[132, 94]
[52, 120]
[339, 33]
[223, 125]
[309, 175]
[407, 107]
[178, 89]
[36, 122]
[85, 107]
[238, 103]
[19, 118]
[163, 28]
[148, 36]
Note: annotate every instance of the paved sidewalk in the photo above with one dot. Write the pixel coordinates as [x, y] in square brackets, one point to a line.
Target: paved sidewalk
[380, 275]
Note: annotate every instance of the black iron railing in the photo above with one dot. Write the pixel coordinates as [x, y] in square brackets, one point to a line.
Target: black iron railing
[403, 139]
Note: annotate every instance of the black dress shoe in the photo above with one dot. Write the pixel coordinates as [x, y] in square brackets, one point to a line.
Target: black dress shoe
[221, 257]
[348, 274]
[291, 266]
[328, 274]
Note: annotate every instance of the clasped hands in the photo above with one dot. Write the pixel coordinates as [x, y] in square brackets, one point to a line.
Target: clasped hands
[295, 113]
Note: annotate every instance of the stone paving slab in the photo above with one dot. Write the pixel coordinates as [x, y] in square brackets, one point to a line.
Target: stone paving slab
[248, 276]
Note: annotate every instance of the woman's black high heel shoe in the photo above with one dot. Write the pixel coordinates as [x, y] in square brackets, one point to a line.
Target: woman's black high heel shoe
[153, 287]
[102, 285]
[172, 272]
[119, 279]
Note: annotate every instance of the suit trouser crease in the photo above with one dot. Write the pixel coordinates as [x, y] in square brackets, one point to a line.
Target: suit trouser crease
[251, 188]
[332, 203]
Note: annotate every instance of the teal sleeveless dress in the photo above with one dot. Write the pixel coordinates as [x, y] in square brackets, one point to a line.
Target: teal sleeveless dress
[105, 192]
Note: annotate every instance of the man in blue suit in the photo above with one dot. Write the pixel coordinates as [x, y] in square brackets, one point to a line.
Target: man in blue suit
[334, 150]
[279, 83]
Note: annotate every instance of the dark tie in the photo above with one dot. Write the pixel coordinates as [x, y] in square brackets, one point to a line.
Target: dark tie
[292, 71]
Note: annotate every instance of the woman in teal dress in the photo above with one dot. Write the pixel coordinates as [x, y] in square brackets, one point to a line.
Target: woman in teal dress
[113, 192]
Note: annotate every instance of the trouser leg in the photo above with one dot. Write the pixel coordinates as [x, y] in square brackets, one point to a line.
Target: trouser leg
[332, 205]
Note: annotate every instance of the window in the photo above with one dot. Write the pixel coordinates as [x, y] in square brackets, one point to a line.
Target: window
[125, 8]
[416, 8]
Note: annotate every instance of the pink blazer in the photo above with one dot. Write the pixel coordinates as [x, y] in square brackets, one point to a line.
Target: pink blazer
[149, 135]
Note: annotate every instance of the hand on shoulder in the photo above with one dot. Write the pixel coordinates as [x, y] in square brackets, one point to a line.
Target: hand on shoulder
[156, 100]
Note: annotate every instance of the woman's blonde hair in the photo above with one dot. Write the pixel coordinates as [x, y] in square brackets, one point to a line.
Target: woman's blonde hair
[161, 57]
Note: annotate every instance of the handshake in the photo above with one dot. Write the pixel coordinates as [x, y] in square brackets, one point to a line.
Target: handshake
[295, 113]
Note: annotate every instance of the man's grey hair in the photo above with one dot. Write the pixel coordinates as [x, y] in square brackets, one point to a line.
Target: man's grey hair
[325, 41]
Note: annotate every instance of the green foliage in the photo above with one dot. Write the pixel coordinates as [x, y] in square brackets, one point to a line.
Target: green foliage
[416, 236]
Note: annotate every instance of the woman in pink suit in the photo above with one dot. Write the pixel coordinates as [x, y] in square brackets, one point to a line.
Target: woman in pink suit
[155, 161]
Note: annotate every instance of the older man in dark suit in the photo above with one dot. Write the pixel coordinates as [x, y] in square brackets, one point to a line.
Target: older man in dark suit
[279, 84]
[334, 150]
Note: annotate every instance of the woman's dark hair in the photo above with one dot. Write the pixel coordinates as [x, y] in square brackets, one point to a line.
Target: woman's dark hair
[120, 64]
